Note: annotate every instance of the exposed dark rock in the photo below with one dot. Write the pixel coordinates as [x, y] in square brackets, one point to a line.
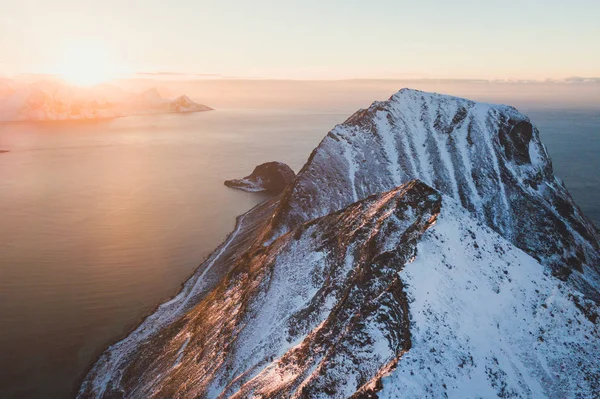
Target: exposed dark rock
[270, 176]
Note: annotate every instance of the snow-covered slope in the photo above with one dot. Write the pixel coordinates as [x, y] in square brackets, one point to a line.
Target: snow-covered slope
[51, 100]
[488, 157]
[487, 320]
[323, 312]
[412, 292]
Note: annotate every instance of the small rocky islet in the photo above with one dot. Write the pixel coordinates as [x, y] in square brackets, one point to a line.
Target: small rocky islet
[272, 177]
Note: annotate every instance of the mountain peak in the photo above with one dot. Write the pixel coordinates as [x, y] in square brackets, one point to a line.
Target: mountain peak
[487, 157]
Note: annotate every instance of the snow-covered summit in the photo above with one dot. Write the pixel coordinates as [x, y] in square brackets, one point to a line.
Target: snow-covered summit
[488, 157]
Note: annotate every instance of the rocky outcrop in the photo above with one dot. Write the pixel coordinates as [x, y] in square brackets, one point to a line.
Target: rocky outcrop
[350, 285]
[185, 104]
[270, 176]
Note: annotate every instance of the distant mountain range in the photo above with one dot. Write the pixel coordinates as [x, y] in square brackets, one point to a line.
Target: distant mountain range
[53, 100]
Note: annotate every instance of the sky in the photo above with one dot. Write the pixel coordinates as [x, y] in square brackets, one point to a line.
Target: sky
[308, 39]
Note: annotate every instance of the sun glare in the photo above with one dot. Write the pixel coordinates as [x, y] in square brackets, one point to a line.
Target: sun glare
[84, 64]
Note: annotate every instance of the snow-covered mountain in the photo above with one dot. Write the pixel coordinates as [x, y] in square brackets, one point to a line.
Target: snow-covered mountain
[54, 100]
[425, 250]
[487, 157]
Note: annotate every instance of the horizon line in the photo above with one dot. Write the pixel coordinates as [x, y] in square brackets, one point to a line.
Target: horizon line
[219, 77]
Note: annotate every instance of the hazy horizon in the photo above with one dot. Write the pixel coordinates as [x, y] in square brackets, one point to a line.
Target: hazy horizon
[94, 41]
[343, 95]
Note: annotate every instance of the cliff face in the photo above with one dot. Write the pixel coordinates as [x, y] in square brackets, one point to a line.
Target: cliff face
[360, 281]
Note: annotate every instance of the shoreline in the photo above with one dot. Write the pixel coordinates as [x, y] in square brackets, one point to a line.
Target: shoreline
[223, 245]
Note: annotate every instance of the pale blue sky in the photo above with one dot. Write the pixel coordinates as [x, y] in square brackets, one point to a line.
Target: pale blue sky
[308, 39]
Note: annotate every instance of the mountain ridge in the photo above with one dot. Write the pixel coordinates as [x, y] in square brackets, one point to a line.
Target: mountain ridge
[344, 298]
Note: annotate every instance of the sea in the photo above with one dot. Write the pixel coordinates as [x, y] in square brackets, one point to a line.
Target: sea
[101, 221]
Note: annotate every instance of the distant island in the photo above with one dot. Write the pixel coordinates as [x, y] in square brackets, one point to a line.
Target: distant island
[55, 100]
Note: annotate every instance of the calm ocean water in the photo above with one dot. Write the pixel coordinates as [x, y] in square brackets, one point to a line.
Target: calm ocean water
[573, 141]
[102, 221]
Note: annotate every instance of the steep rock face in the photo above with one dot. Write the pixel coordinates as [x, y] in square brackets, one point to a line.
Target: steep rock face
[487, 157]
[270, 176]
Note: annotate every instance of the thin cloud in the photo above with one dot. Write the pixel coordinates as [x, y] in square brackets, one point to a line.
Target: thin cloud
[579, 79]
[179, 74]
[162, 73]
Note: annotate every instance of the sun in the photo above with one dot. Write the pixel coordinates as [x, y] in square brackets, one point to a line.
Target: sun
[86, 64]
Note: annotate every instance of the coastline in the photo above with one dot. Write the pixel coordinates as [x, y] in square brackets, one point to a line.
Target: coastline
[197, 273]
